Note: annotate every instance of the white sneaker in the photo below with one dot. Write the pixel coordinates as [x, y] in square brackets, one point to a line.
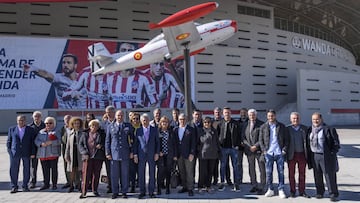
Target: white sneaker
[282, 194]
[269, 193]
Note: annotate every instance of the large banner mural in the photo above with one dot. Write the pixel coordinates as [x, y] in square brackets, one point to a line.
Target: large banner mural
[38, 73]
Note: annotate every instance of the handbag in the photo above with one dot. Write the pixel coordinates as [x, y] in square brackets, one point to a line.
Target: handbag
[175, 176]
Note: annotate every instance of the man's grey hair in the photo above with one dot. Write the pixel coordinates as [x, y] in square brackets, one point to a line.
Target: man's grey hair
[252, 111]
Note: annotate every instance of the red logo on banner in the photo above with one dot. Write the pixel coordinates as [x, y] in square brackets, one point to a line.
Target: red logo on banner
[137, 56]
[182, 36]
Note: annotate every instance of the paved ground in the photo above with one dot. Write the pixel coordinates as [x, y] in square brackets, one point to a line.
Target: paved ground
[348, 180]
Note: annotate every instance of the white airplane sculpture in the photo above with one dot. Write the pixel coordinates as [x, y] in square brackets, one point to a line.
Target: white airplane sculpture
[179, 32]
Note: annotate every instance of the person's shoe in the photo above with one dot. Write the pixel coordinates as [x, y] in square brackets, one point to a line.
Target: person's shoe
[253, 189]
[114, 196]
[282, 194]
[26, 189]
[142, 195]
[202, 191]
[319, 196]
[54, 187]
[152, 195]
[269, 193]
[236, 188]
[82, 196]
[229, 183]
[96, 193]
[221, 187]
[159, 191]
[167, 191]
[124, 196]
[132, 190]
[71, 189]
[109, 190]
[13, 190]
[333, 198]
[292, 194]
[304, 195]
[191, 193]
[65, 186]
[210, 190]
[32, 185]
[215, 183]
[260, 192]
[45, 187]
[183, 190]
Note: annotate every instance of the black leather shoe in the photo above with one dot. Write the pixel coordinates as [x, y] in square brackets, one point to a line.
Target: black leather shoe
[183, 190]
[132, 190]
[45, 187]
[32, 185]
[292, 194]
[26, 189]
[109, 191]
[191, 193]
[124, 196]
[82, 196]
[260, 192]
[13, 190]
[333, 198]
[254, 189]
[71, 189]
[319, 196]
[141, 196]
[114, 196]
[304, 195]
[54, 187]
[152, 195]
[65, 186]
[96, 194]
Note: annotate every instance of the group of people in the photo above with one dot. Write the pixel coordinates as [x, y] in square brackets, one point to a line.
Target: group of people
[166, 144]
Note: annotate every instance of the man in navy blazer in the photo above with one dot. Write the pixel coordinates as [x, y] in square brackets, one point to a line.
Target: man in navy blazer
[185, 137]
[119, 150]
[20, 146]
[146, 149]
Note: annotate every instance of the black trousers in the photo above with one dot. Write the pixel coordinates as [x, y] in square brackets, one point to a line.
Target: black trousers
[320, 172]
[50, 166]
[108, 172]
[205, 175]
[164, 165]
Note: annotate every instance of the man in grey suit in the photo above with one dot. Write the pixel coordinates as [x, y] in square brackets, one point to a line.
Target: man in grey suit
[250, 134]
[20, 146]
[119, 150]
[322, 145]
[146, 150]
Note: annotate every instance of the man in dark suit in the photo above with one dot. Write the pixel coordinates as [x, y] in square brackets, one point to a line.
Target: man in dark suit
[250, 134]
[20, 146]
[230, 142]
[185, 138]
[322, 145]
[274, 142]
[146, 149]
[37, 125]
[119, 150]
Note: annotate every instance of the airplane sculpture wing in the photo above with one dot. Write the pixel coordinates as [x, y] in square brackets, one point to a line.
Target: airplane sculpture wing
[178, 36]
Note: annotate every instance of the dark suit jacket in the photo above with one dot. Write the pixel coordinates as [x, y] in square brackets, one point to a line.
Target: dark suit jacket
[118, 144]
[282, 137]
[151, 147]
[171, 143]
[187, 145]
[252, 139]
[235, 133]
[331, 147]
[21, 148]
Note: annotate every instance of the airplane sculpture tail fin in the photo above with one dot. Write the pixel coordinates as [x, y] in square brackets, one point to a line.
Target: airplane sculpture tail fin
[99, 56]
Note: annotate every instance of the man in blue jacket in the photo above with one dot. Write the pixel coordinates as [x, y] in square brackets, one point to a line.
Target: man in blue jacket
[20, 146]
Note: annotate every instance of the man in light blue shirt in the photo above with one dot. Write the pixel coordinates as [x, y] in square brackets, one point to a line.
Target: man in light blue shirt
[274, 142]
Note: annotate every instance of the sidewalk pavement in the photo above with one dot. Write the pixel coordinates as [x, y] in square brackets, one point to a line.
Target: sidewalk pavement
[348, 181]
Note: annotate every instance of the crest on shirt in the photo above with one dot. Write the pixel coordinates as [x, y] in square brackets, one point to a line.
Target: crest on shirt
[134, 85]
